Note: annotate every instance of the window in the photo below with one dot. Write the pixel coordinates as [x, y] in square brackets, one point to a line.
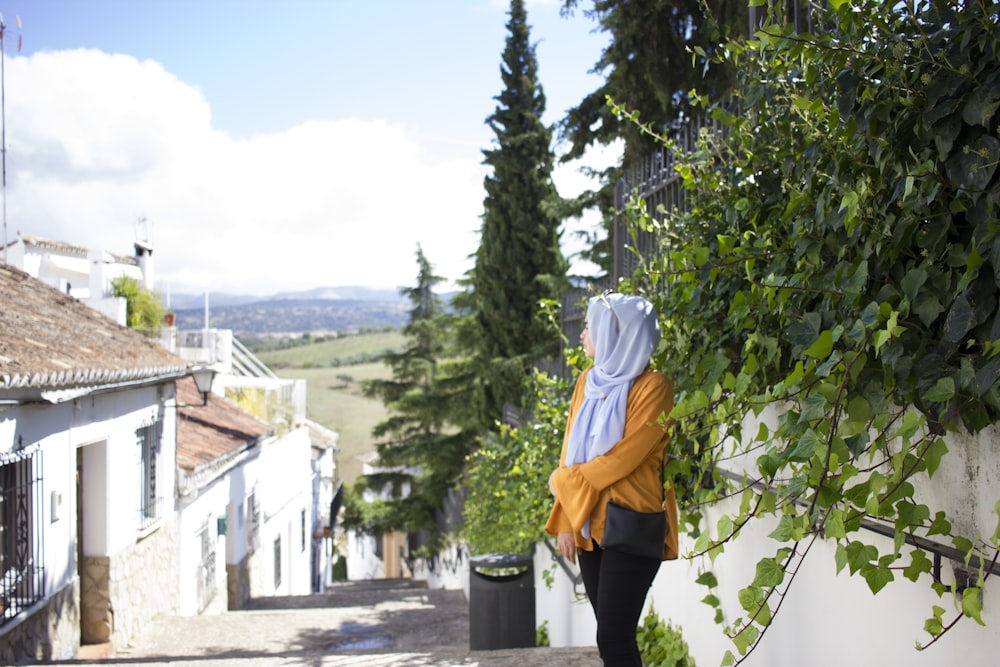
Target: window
[149, 438]
[253, 522]
[21, 554]
[303, 524]
[206, 568]
[277, 561]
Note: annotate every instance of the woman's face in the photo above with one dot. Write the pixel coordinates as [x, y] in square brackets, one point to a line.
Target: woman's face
[588, 346]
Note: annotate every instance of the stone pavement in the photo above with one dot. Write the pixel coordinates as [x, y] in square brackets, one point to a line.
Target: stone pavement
[381, 623]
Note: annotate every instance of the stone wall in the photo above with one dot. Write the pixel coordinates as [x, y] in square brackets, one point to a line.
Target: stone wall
[238, 584]
[48, 632]
[96, 615]
[143, 583]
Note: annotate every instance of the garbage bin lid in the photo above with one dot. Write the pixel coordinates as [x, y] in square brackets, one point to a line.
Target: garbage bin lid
[500, 560]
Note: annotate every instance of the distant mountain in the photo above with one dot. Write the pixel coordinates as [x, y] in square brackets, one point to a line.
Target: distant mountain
[320, 310]
[180, 302]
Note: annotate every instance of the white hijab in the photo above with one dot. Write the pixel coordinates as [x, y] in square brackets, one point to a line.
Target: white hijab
[625, 332]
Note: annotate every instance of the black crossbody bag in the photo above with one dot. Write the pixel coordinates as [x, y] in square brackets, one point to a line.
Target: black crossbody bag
[636, 533]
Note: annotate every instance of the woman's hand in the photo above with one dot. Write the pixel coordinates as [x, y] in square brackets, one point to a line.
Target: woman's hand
[552, 489]
[567, 547]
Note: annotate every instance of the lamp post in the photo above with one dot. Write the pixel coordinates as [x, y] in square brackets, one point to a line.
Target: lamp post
[203, 377]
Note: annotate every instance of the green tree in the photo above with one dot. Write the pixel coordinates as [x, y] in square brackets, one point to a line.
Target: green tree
[518, 263]
[420, 453]
[506, 483]
[658, 51]
[144, 309]
[838, 268]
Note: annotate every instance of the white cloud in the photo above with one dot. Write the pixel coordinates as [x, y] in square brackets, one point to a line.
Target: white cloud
[97, 141]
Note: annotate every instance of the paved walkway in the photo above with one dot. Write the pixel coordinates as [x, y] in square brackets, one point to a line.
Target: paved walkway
[383, 623]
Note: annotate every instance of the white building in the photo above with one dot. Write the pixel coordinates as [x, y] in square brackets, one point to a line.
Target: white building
[82, 272]
[233, 514]
[87, 527]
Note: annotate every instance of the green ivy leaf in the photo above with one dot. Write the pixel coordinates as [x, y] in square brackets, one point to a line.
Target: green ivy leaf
[940, 525]
[981, 106]
[769, 573]
[707, 579]
[919, 564]
[877, 576]
[804, 449]
[834, 526]
[943, 390]
[934, 625]
[840, 557]
[996, 533]
[912, 282]
[823, 346]
[783, 531]
[750, 598]
[912, 515]
[933, 454]
[813, 408]
[860, 554]
[972, 604]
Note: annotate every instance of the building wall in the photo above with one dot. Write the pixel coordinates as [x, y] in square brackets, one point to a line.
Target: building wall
[282, 476]
[132, 570]
[826, 619]
[198, 591]
[50, 632]
[143, 583]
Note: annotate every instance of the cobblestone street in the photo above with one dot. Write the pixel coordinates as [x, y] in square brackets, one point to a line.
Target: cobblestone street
[357, 624]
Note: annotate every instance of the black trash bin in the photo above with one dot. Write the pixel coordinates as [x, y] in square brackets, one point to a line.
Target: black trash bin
[501, 602]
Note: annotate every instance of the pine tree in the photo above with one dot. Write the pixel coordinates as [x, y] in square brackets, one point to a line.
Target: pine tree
[519, 262]
[420, 455]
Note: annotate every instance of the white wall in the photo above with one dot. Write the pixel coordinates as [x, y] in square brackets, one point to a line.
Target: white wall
[826, 619]
[210, 504]
[104, 426]
[284, 478]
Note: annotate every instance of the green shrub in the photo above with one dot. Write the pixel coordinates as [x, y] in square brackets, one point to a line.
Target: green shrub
[542, 634]
[661, 644]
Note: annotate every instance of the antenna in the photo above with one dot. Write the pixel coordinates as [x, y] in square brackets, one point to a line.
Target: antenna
[3, 123]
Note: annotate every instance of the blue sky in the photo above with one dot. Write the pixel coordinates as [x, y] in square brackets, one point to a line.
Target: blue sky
[269, 146]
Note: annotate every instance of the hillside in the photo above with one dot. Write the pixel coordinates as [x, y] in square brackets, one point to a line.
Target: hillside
[289, 316]
[321, 310]
[334, 389]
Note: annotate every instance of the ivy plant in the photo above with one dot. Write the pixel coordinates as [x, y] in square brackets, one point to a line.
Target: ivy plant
[829, 295]
[506, 478]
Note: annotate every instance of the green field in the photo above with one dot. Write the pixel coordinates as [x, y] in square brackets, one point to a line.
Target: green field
[333, 392]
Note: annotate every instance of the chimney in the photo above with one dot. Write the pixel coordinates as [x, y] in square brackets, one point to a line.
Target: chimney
[144, 252]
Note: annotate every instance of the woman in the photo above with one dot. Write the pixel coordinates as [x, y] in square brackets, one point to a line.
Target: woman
[613, 448]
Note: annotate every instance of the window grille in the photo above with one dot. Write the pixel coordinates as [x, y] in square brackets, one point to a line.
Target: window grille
[302, 522]
[253, 522]
[206, 568]
[277, 561]
[149, 439]
[22, 573]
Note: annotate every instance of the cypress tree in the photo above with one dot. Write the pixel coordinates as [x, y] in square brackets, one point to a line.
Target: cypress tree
[420, 456]
[518, 262]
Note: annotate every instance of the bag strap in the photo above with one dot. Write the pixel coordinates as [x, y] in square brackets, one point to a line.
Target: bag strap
[663, 478]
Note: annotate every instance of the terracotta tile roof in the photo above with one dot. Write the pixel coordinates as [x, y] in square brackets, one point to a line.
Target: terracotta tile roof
[208, 434]
[69, 249]
[48, 244]
[322, 438]
[50, 340]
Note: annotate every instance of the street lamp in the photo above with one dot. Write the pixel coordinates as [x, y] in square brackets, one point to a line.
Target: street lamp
[203, 377]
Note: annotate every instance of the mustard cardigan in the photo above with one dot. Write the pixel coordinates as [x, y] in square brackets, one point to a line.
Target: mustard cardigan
[629, 472]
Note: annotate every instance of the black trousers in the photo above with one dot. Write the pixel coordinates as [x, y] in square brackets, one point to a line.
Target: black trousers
[617, 584]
